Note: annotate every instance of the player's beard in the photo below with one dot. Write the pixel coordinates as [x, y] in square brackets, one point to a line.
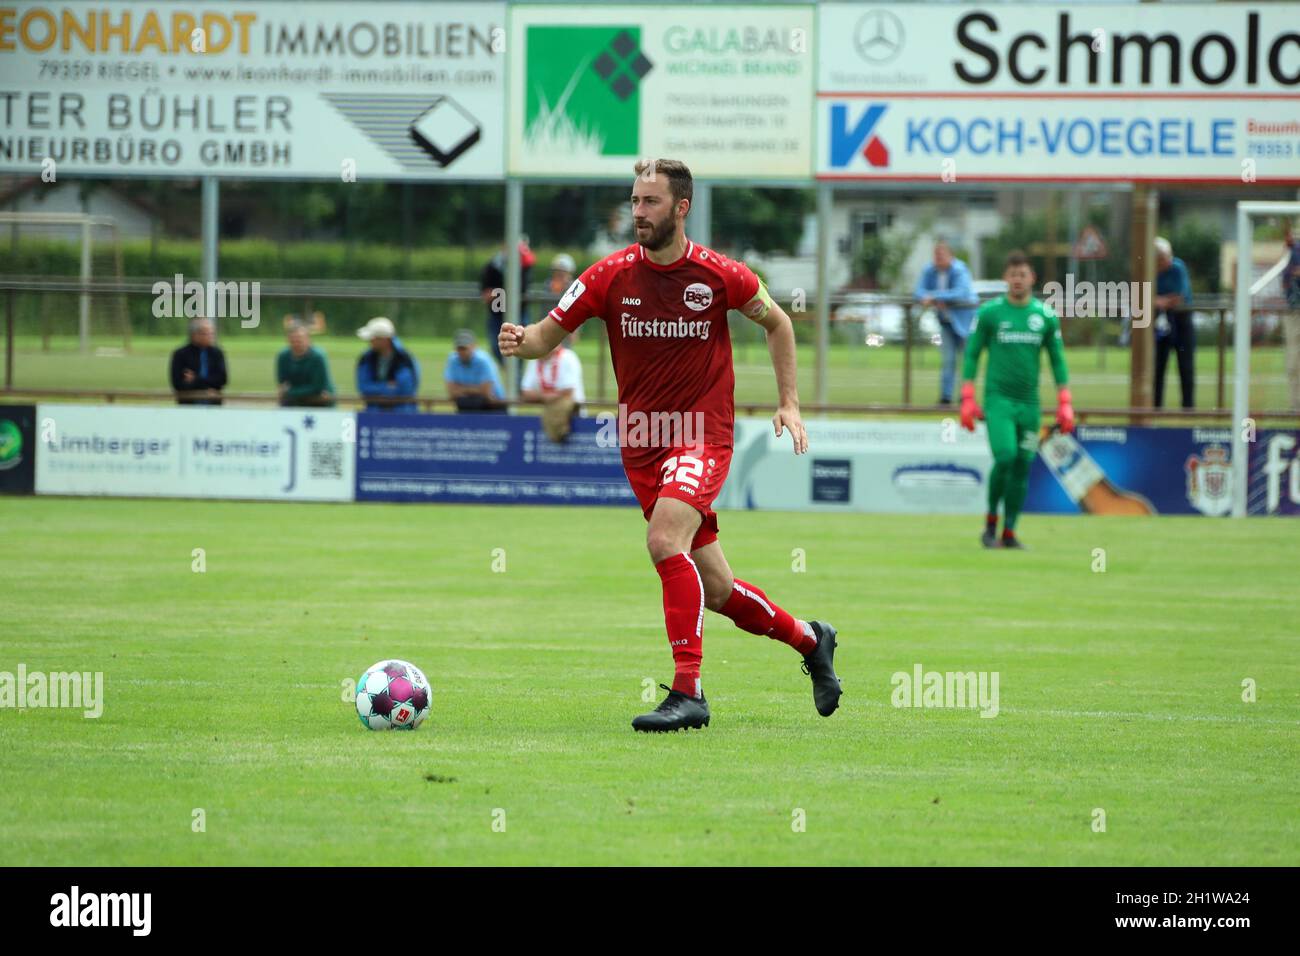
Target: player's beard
[660, 235]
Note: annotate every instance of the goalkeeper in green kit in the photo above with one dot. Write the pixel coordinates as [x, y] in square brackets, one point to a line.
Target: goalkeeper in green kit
[1014, 328]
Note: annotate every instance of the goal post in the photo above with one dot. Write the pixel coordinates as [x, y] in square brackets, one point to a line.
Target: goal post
[100, 255]
[1246, 286]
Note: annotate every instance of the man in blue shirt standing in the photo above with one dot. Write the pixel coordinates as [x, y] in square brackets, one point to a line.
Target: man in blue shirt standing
[386, 370]
[1174, 329]
[945, 286]
[472, 379]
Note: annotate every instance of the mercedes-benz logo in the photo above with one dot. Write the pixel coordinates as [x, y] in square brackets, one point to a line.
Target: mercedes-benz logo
[878, 36]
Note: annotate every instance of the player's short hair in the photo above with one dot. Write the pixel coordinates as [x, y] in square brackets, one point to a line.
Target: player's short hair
[680, 182]
[1016, 258]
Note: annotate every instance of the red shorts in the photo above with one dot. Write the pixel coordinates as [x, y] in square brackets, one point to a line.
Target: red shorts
[682, 474]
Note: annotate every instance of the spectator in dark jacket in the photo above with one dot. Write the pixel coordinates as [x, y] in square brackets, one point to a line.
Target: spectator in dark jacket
[386, 370]
[199, 369]
[491, 284]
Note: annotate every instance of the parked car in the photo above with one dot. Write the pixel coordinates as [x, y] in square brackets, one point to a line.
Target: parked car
[882, 316]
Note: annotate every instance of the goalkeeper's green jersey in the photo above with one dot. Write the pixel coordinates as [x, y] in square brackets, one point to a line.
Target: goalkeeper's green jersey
[1014, 336]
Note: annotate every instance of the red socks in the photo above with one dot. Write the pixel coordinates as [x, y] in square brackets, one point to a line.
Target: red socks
[750, 608]
[684, 619]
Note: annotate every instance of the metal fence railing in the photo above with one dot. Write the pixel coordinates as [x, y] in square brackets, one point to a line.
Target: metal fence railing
[852, 312]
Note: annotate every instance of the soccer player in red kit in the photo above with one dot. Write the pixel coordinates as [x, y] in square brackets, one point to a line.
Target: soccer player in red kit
[664, 301]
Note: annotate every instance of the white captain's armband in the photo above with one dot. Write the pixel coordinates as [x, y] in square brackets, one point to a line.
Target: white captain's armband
[761, 304]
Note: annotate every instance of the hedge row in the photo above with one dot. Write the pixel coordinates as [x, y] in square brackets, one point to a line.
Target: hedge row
[57, 313]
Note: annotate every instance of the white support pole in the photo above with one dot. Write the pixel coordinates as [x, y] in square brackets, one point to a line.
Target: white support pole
[1241, 362]
[210, 234]
[83, 314]
[700, 216]
[209, 219]
[514, 288]
[824, 197]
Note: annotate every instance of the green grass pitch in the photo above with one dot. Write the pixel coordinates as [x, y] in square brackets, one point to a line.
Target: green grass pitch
[1120, 691]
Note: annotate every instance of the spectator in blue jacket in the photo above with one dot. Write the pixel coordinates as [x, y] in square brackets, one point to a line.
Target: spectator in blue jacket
[386, 369]
[945, 286]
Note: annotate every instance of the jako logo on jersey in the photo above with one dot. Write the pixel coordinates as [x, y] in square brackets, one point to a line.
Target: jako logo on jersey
[571, 296]
[698, 296]
[846, 142]
[627, 301]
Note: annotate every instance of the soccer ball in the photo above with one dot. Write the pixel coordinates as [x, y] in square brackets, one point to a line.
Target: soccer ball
[393, 695]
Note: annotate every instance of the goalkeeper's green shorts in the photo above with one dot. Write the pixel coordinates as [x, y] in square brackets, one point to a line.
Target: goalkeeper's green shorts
[1013, 428]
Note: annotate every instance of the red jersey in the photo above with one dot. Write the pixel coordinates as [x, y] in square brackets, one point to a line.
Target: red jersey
[668, 336]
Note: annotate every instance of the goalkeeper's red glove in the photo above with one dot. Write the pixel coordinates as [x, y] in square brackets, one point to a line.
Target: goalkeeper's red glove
[969, 410]
[1064, 411]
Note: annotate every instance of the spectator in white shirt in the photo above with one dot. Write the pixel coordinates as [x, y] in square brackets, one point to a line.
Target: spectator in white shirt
[557, 376]
[556, 382]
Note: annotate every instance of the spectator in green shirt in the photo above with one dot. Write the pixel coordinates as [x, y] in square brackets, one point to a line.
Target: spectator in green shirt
[303, 372]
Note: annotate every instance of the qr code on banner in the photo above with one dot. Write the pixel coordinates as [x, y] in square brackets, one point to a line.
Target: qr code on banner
[327, 459]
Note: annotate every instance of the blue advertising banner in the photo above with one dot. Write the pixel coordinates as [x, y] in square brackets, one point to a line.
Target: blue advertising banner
[1274, 484]
[1118, 470]
[492, 459]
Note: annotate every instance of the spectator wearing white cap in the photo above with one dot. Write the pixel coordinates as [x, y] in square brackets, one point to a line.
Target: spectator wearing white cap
[473, 382]
[562, 271]
[386, 370]
[1174, 330]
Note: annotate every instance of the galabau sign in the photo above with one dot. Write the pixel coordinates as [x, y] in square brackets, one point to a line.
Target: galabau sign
[595, 87]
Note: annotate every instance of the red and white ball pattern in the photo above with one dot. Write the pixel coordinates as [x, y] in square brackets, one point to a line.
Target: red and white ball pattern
[393, 695]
